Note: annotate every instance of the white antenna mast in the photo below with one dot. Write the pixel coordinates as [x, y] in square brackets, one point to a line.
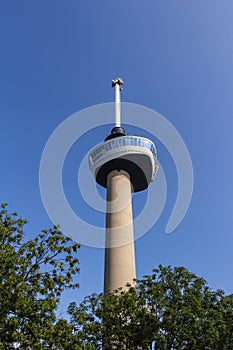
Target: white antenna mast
[118, 87]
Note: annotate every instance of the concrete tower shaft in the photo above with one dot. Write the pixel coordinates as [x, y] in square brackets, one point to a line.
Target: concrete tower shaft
[119, 252]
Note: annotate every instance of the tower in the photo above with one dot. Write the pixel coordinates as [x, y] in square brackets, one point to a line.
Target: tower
[122, 164]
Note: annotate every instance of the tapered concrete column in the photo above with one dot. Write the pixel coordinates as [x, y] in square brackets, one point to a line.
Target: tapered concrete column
[119, 248]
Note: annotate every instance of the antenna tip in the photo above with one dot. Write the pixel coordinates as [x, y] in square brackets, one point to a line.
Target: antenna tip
[118, 81]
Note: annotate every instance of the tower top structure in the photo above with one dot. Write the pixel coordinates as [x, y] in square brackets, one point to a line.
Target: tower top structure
[117, 130]
[134, 154]
[118, 87]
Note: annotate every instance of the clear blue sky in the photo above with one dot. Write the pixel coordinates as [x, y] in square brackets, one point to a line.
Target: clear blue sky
[58, 57]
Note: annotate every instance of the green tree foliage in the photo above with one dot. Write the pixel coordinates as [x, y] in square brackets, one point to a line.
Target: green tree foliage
[170, 309]
[33, 274]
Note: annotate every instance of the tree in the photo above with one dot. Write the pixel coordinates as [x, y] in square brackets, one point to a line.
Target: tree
[33, 275]
[170, 309]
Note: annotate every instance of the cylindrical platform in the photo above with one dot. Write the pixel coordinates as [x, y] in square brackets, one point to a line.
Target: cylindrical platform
[134, 154]
[119, 252]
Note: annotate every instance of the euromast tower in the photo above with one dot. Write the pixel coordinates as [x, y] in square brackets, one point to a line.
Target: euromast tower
[123, 164]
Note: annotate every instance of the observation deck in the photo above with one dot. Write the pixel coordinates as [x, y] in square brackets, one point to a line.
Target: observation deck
[134, 154]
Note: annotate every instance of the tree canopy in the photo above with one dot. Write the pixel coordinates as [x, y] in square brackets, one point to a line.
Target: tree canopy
[169, 309]
[33, 275]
